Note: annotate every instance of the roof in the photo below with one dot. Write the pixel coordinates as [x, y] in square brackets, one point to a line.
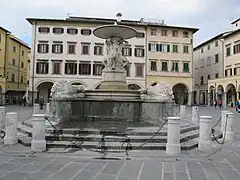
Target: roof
[231, 33]
[108, 21]
[19, 41]
[235, 21]
[4, 29]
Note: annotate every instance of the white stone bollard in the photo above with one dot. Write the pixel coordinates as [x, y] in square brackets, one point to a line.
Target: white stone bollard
[205, 137]
[195, 115]
[2, 120]
[36, 108]
[183, 112]
[38, 143]
[223, 120]
[48, 108]
[173, 146]
[229, 129]
[11, 128]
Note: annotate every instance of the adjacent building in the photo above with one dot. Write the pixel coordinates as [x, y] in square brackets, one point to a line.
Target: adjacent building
[13, 67]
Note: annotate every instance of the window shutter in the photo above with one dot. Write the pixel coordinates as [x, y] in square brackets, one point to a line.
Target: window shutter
[75, 67]
[65, 68]
[47, 48]
[143, 52]
[168, 48]
[226, 73]
[61, 49]
[149, 47]
[38, 48]
[95, 50]
[235, 71]
[37, 70]
[53, 48]
[160, 48]
[130, 51]
[47, 68]
[135, 52]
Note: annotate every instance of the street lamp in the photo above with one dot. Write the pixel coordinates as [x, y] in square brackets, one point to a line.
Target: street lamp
[119, 16]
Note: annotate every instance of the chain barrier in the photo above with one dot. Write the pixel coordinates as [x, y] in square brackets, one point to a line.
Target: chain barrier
[223, 135]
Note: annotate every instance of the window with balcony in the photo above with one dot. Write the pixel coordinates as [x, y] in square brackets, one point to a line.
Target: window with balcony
[84, 68]
[56, 67]
[228, 51]
[42, 67]
[175, 48]
[236, 49]
[43, 48]
[164, 32]
[175, 67]
[127, 51]
[98, 50]
[140, 35]
[85, 49]
[71, 68]
[57, 48]
[86, 32]
[153, 65]
[185, 34]
[216, 58]
[139, 70]
[186, 67]
[97, 69]
[201, 80]
[71, 48]
[139, 52]
[43, 30]
[58, 30]
[185, 49]
[175, 33]
[164, 66]
[72, 31]
[153, 31]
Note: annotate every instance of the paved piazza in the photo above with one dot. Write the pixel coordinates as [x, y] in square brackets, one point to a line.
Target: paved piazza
[18, 163]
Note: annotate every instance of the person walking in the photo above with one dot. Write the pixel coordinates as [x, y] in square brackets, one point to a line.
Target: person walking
[220, 103]
[41, 102]
[215, 104]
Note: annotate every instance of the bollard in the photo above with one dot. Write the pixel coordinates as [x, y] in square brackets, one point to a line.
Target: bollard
[195, 115]
[38, 143]
[205, 137]
[2, 120]
[223, 120]
[36, 108]
[173, 146]
[183, 112]
[229, 129]
[48, 108]
[11, 128]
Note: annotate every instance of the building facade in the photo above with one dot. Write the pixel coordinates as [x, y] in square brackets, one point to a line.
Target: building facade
[227, 88]
[170, 57]
[207, 65]
[14, 60]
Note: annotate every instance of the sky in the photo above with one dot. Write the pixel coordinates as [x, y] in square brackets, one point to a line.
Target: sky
[210, 16]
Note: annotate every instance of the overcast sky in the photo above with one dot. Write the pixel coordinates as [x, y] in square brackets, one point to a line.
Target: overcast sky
[210, 16]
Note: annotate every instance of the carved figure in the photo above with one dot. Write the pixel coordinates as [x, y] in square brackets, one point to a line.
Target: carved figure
[61, 89]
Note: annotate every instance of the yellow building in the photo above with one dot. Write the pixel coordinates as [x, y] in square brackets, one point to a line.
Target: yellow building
[227, 88]
[14, 67]
[169, 59]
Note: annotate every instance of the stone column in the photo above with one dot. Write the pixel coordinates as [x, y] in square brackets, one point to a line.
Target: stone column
[48, 108]
[223, 120]
[224, 100]
[36, 108]
[230, 123]
[11, 128]
[208, 99]
[195, 115]
[183, 112]
[205, 141]
[173, 146]
[190, 98]
[38, 143]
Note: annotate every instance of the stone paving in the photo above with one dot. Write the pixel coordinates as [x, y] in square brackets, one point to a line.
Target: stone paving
[18, 163]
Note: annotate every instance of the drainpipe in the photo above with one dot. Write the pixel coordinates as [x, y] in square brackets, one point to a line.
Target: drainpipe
[146, 56]
[192, 72]
[19, 61]
[33, 59]
[222, 57]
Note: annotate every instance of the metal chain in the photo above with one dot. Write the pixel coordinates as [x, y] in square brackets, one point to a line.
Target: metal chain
[219, 120]
[224, 135]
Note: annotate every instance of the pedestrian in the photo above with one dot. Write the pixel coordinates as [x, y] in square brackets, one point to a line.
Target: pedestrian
[41, 102]
[220, 103]
[215, 104]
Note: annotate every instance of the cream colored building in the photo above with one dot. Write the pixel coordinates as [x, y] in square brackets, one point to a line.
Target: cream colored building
[170, 57]
[227, 88]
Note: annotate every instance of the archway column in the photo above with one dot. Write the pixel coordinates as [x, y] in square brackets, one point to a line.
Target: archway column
[238, 95]
[224, 102]
[209, 99]
[190, 98]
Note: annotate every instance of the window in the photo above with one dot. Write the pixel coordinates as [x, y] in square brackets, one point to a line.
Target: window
[216, 58]
[230, 72]
[56, 65]
[228, 51]
[21, 79]
[153, 66]
[164, 32]
[85, 49]
[202, 63]
[164, 66]
[216, 75]
[140, 35]
[22, 52]
[22, 65]
[98, 50]
[57, 48]
[226, 72]
[128, 67]
[153, 31]
[185, 49]
[58, 30]
[139, 70]
[139, 52]
[185, 67]
[14, 49]
[175, 33]
[71, 68]
[86, 32]
[71, 48]
[84, 68]
[209, 61]
[164, 47]
[43, 30]
[97, 69]
[175, 67]
[126, 51]
[209, 47]
[234, 71]
[216, 43]
[201, 80]
[202, 50]
[72, 31]
[13, 61]
[236, 49]
[43, 48]
[13, 77]
[185, 34]
[152, 47]
[175, 48]
[42, 67]
[209, 77]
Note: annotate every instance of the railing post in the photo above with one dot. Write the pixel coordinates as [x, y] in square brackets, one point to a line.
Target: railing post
[11, 128]
[2, 120]
[36, 108]
[173, 146]
[38, 143]
[230, 123]
[195, 114]
[183, 112]
[205, 137]
[223, 120]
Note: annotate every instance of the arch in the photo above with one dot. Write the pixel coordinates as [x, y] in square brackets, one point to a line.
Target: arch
[44, 90]
[180, 92]
[134, 86]
[229, 87]
[231, 94]
[78, 83]
[212, 95]
[44, 81]
[211, 88]
[97, 86]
